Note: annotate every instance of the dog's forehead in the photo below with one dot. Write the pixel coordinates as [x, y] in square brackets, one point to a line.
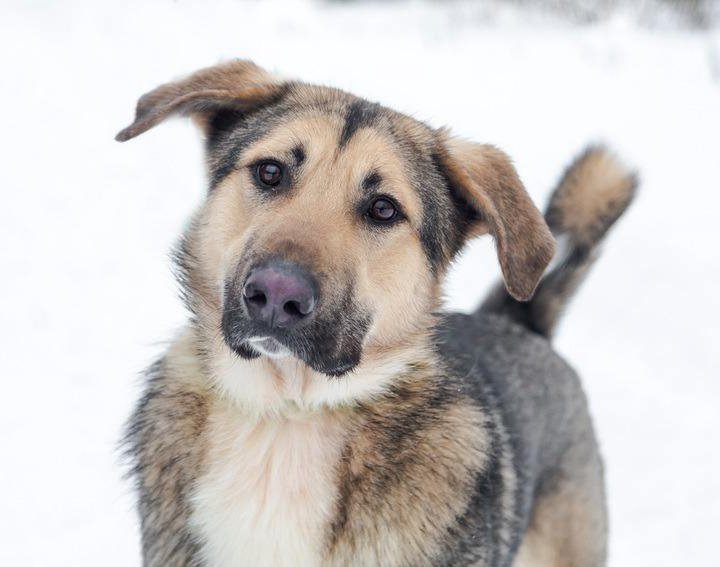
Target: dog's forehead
[297, 115]
[338, 116]
[329, 138]
[357, 114]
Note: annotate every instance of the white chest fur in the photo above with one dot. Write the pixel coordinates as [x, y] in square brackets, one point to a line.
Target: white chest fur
[269, 487]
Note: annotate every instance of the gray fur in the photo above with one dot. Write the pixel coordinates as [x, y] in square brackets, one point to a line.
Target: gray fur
[538, 399]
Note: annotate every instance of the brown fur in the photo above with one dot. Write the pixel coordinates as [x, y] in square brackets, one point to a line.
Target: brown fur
[490, 182]
[381, 275]
[169, 425]
[401, 490]
[566, 530]
[237, 84]
[594, 191]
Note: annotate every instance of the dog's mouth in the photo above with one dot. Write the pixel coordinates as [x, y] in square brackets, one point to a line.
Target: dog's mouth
[331, 346]
[269, 346]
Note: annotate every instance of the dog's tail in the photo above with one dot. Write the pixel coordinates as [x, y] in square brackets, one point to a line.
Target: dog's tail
[595, 190]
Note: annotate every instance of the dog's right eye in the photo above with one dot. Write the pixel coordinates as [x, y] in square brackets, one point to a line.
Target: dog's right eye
[269, 173]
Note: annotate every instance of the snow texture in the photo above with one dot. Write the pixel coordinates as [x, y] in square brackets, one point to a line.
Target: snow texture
[87, 297]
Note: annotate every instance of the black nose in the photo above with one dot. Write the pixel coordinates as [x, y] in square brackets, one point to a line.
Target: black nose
[279, 294]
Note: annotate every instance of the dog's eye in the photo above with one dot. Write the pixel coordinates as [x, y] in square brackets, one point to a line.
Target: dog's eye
[382, 210]
[269, 173]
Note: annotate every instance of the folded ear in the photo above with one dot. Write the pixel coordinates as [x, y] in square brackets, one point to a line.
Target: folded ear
[488, 182]
[236, 85]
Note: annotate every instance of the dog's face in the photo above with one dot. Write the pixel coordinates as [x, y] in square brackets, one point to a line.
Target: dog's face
[316, 231]
[330, 221]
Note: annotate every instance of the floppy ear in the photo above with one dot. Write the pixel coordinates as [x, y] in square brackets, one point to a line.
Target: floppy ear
[236, 85]
[488, 182]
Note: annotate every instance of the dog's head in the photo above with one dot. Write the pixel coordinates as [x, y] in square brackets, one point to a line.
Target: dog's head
[330, 220]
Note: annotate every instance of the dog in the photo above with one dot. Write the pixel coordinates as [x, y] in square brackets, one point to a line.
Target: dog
[319, 408]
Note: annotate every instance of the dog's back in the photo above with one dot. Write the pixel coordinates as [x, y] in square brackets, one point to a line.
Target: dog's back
[503, 351]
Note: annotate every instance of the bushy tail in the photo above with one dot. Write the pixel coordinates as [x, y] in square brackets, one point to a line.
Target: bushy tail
[595, 190]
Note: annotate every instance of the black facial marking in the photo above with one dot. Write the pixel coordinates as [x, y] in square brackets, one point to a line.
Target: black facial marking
[222, 123]
[330, 343]
[371, 181]
[447, 216]
[360, 114]
[239, 140]
[250, 129]
[298, 153]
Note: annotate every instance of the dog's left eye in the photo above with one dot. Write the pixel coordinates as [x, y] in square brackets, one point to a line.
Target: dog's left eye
[269, 173]
[382, 210]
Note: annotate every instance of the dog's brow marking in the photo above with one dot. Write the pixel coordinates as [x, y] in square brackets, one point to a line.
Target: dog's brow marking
[228, 162]
[371, 181]
[360, 114]
[298, 153]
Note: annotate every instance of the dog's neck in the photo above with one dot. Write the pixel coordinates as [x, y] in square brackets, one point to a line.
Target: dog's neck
[276, 387]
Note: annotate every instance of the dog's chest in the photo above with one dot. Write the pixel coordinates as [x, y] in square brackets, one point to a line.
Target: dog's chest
[268, 490]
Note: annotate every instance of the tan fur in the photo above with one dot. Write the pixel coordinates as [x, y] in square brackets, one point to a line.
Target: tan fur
[291, 470]
[595, 190]
[393, 527]
[566, 530]
[391, 276]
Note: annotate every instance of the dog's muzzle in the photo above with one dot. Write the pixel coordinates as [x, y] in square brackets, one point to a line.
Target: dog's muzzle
[275, 308]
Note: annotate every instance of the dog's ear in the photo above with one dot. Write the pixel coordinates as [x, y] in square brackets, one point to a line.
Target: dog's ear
[485, 178]
[236, 85]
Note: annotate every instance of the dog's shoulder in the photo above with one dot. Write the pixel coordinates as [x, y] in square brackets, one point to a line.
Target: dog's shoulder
[176, 390]
[163, 447]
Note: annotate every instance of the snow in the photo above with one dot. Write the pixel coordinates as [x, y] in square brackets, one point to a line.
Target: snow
[87, 297]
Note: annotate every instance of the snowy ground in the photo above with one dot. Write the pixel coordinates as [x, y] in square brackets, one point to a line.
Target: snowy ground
[86, 294]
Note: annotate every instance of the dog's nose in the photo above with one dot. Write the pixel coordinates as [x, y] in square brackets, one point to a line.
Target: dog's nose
[279, 294]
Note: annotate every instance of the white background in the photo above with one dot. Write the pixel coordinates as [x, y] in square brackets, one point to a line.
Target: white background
[86, 295]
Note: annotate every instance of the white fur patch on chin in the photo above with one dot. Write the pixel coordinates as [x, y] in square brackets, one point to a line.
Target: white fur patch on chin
[269, 347]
